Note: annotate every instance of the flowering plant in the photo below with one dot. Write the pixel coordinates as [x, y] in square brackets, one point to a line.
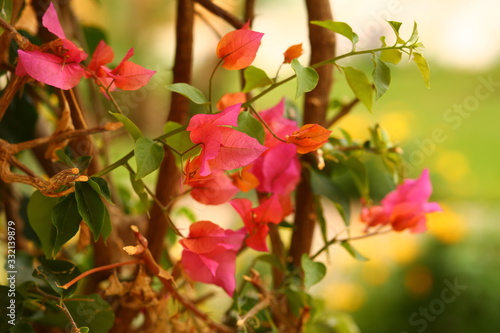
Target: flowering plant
[266, 166]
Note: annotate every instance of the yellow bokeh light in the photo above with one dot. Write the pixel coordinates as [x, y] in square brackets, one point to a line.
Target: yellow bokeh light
[397, 124]
[447, 226]
[452, 165]
[375, 272]
[418, 280]
[345, 296]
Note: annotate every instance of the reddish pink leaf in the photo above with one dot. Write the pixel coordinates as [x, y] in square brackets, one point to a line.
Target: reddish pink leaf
[209, 254]
[237, 149]
[103, 55]
[280, 125]
[130, 76]
[49, 68]
[227, 117]
[238, 48]
[231, 99]
[309, 138]
[214, 189]
[50, 20]
[293, 52]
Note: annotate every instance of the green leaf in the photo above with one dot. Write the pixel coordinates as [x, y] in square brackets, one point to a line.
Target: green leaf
[91, 311]
[272, 260]
[359, 174]
[314, 272]
[148, 155]
[187, 90]
[255, 78]
[132, 128]
[40, 219]
[324, 186]
[423, 67]
[93, 36]
[352, 251]
[414, 35]
[84, 329]
[360, 85]
[248, 124]
[321, 218]
[187, 213]
[395, 26]
[81, 162]
[90, 207]
[57, 273]
[180, 141]
[106, 225]
[307, 78]
[66, 219]
[100, 185]
[341, 28]
[381, 76]
[391, 55]
[139, 189]
[6, 10]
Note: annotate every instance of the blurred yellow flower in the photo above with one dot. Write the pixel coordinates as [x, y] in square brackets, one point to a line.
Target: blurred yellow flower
[448, 226]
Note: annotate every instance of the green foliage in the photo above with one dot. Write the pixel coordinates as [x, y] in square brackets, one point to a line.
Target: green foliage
[187, 90]
[91, 312]
[360, 85]
[179, 140]
[57, 273]
[381, 76]
[148, 156]
[341, 28]
[5, 10]
[91, 208]
[255, 78]
[307, 78]
[248, 124]
[40, 219]
[423, 67]
[132, 128]
[352, 251]
[314, 272]
[66, 219]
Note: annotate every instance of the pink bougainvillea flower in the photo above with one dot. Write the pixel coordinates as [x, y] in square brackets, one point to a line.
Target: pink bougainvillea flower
[281, 126]
[215, 189]
[238, 48]
[278, 169]
[309, 138]
[126, 76]
[256, 220]
[222, 147]
[209, 254]
[405, 207]
[56, 63]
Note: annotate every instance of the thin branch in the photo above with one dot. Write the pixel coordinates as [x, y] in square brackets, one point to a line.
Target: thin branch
[344, 110]
[226, 16]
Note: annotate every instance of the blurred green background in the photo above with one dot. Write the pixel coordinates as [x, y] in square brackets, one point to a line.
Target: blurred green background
[445, 280]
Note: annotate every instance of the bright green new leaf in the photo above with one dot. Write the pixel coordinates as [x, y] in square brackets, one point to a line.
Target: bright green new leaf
[57, 273]
[341, 28]
[395, 26]
[391, 55]
[314, 272]
[414, 35]
[91, 312]
[360, 85]
[148, 155]
[423, 67]
[40, 219]
[90, 207]
[353, 252]
[255, 78]
[187, 90]
[66, 219]
[84, 329]
[307, 78]
[248, 124]
[132, 128]
[381, 76]
[180, 141]
[322, 185]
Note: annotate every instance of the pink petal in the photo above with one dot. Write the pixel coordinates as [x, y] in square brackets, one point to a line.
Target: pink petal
[131, 76]
[211, 138]
[50, 20]
[280, 126]
[243, 207]
[103, 55]
[269, 210]
[237, 149]
[257, 237]
[238, 48]
[228, 117]
[49, 68]
[430, 207]
[215, 190]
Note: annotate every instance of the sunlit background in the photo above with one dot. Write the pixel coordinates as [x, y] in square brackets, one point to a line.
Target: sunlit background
[445, 280]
